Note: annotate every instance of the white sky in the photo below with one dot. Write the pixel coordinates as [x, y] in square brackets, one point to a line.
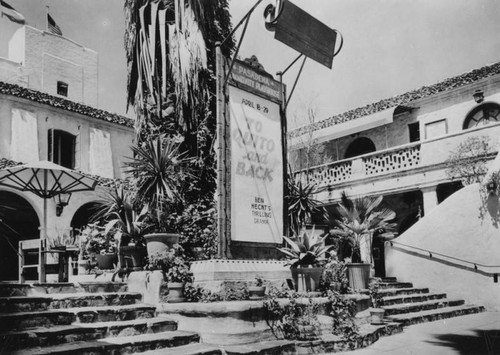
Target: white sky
[391, 46]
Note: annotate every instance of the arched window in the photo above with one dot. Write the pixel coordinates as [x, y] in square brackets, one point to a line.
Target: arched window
[482, 115]
[359, 146]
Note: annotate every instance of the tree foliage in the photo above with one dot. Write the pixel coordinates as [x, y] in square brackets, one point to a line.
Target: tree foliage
[468, 162]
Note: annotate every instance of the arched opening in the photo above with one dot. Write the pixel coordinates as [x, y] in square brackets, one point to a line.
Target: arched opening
[83, 216]
[18, 221]
[359, 146]
[482, 115]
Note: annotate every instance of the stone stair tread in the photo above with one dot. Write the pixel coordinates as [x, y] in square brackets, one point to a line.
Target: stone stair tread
[416, 295]
[101, 345]
[96, 325]
[190, 349]
[390, 290]
[257, 348]
[417, 304]
[75, 310]
[59, 296]
[446, 310]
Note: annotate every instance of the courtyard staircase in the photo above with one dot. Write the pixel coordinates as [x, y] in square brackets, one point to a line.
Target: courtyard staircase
[93, 318]
[409, 305]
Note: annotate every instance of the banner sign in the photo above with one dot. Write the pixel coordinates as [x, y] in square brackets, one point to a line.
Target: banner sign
[256, 160]
[249, 79]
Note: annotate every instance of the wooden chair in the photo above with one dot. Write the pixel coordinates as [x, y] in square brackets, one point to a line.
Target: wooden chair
[32, 256]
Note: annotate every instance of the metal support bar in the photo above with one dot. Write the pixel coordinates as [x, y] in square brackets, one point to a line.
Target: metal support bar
[226, 78]
[291, 64]
[495, 278]
[295, 83]
[246, 17]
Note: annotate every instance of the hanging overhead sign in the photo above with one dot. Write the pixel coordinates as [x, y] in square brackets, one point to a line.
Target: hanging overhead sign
[256, 178]
[302, 32]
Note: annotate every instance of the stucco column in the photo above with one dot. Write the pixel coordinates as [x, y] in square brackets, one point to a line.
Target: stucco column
[430, 198]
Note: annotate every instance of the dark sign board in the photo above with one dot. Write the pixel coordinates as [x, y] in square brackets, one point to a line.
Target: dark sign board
[307, 35]
[260, 83]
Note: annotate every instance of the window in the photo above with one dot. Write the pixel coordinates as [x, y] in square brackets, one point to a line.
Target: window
[61, 148]
[62, 88]
[483, 115]
[414, 131]
[436, 129]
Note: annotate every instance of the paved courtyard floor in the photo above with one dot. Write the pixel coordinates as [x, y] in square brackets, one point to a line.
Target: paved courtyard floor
[472, 334]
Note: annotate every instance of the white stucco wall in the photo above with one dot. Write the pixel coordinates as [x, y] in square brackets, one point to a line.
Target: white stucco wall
[464, 226]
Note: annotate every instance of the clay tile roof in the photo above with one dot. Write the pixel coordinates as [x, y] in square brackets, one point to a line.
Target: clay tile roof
[44, 98]
[102, 181]
[424, 91]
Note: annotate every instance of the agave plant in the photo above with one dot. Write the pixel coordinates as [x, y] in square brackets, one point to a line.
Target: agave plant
[304, 252]
[360, 219]
[116, 208]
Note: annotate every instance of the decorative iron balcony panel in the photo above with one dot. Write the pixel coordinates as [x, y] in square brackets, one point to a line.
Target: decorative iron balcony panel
[392, 161]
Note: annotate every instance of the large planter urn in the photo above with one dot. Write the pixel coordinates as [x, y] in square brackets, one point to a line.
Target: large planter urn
[306, 279]
[256, 292]
[160, 242]
[358, 275]
[175, 292]
[106, 261]
[132, 257]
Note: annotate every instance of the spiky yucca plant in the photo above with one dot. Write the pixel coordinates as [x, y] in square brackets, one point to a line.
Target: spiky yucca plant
[359, 219]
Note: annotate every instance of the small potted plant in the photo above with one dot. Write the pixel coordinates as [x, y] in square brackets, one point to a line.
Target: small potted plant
[175, 271]
[334, 276]
[99, 246]
[257, 290]
[306, 260]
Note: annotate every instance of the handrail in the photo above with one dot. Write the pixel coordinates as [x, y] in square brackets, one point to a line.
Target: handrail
[432, 253]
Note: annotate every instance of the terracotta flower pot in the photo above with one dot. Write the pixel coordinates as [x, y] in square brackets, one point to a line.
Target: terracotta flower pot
[358, 275]
[175, 292]
[377, 316]
[256, 292]
[160, 242]
[306, 279]
[132, 257]
[106, 261]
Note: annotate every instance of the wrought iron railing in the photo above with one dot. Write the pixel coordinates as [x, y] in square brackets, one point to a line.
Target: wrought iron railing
[432, 255]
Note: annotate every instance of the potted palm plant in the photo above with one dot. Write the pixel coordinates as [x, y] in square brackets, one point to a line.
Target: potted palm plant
[307, 258]
[126, 226]
[359, 221]
[158, 168]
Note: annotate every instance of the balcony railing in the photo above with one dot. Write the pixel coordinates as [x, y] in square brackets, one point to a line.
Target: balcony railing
[430, 153]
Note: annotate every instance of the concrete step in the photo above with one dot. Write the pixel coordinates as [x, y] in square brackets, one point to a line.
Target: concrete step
[401, 291]
[83, 332]
[190, 349]
[396, 284]
[9, 289]
[421, 306]
[399, 299]
[435, 314]
[389, 279]
[274, 347]
[119, 345]
[27, 320]
[69, 300]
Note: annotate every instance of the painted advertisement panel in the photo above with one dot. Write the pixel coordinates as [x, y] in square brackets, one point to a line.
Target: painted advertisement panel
[256, 168]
